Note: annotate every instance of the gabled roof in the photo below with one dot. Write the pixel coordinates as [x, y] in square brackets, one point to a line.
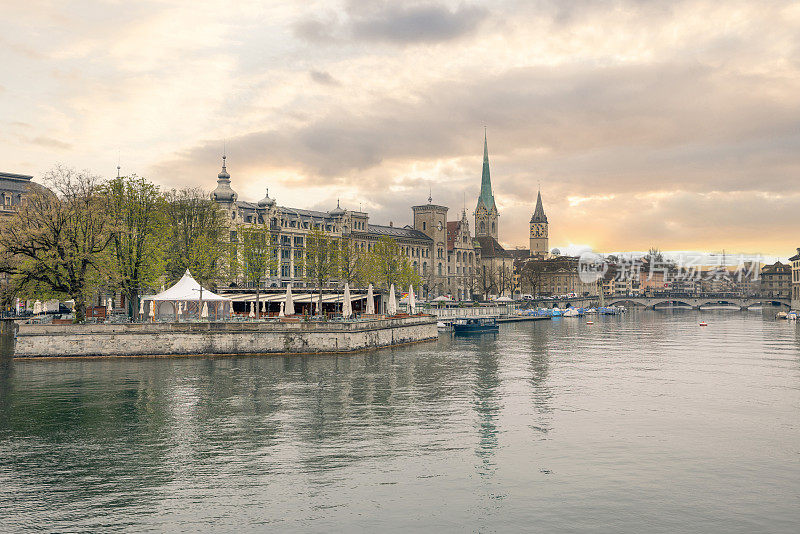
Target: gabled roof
[186, 288]
[490, 248]
[453, 227]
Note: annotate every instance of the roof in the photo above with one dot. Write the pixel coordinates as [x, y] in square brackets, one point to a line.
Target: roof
[796, 256]
[453, 227]
[395, 231]
[16, 177]
[486, 197]
[538, 214]
[490, 248]
[776, 268]
[186, 288]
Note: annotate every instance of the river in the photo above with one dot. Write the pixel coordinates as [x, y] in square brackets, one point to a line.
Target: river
[645, 422]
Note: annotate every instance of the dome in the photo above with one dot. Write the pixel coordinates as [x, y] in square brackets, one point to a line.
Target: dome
[555, 252]
[337, 211]
[266, 201]
[223, 191]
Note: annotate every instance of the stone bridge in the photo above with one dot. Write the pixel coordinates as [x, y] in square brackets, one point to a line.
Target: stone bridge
[696, 301]
[693, 300]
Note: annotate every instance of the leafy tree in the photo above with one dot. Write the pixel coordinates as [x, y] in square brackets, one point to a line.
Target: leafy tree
[257, 260]
[387, 265]
[55, 242]
[137, 245]
[321, 260]
[196, 230]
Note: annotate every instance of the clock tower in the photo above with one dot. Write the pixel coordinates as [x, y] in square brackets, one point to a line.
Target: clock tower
[538, 236]
[486, 214]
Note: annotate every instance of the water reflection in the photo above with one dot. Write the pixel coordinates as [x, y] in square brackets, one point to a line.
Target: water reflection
[441, 431]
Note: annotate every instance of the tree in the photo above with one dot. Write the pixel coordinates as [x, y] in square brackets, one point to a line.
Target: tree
[487, 279]
[55, 242]
[257, 260]
[532, 272]
[505, 278]
[351, 262]
[320, 260]
[137, 241]
[386, 265]
[196, 229]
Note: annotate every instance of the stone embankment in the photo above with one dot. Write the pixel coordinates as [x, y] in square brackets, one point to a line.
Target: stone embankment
[220, 338]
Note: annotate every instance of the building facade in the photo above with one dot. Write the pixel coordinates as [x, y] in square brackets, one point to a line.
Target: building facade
[12, 188]
[794, 261]
[776, 280]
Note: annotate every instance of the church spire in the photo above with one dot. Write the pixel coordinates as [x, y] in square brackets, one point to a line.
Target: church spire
[538, 213]
[486, 195]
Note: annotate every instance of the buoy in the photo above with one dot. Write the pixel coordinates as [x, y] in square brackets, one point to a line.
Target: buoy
[589, 322]
[703, 324]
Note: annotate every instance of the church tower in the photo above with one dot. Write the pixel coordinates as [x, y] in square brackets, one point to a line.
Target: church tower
[486, 223]
[539, 239]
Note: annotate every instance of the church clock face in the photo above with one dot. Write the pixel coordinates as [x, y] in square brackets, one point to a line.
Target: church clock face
[440, 226]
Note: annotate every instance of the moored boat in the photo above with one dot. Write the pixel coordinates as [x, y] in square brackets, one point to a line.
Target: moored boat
[477, 325]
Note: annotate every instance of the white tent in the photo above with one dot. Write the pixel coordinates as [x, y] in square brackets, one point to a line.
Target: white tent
[504, 299]
[288, 308]
[370, 302]
[188, 291]
[391, 308]
[347, 306]
[412, 301]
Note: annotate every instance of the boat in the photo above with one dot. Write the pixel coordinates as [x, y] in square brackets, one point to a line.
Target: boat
[781, 315]
[477, 325]
[442, 327]
[703, 323]
[590, 311]
[792, 315]
[571, 312]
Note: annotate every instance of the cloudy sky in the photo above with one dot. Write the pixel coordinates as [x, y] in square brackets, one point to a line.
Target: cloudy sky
[647, 123]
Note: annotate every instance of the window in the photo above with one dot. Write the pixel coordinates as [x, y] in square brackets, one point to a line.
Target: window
[233, 236]
[298, 241]
[440, 269]
[424, 226]
[285, 270]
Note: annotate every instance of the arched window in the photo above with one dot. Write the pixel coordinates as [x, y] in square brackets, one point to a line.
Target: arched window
[493, 227]
[440, 269]
[483, 226]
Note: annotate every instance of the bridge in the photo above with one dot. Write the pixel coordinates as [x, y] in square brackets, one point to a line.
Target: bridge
[664, 299]
[697, 301]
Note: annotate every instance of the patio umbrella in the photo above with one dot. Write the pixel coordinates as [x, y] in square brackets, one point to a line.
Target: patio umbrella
[204, 315]
[347, 306]
[141, 306]
[252, 310]
[412, 301]
[280, 313]
[110, 304]
[152, 309]
[288, 302]
[37, 307]
[370, 301]
[180, 309]
[391, 308]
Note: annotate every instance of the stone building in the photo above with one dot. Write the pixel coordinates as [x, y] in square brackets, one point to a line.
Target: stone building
[795, 280]
[12, 188]
[776, 280]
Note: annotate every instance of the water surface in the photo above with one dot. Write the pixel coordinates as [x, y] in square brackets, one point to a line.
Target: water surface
[641, 423]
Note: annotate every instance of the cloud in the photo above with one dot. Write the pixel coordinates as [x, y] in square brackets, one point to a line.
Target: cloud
[390, 23]
[323, 78]
[49, 142]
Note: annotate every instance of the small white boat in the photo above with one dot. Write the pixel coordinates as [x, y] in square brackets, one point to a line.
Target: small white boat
[781, 315]
[571, 312]
[443, 327]
[792, 315]
[590, 311]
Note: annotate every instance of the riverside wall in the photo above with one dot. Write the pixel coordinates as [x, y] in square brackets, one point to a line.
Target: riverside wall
[220, 338]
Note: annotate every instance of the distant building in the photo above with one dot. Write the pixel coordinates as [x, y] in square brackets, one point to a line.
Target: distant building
[12, 188]
[795, 280]
[776, 280]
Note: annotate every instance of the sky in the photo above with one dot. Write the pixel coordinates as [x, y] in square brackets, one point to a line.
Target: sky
[649, 123]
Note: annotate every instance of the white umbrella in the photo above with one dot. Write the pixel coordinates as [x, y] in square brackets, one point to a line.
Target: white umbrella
[264, 307]
[252, 310]
[204, 315]
[347, 306]
[152, 309]
[288, 302]
[180, 309]
[370, 301]
[141, 306]
[110, 304]
[280, 313]
[391, 308]
[37, 307]
[412, 301]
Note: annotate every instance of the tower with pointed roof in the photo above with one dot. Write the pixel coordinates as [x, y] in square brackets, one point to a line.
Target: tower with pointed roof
[486, 223]
[538, 226]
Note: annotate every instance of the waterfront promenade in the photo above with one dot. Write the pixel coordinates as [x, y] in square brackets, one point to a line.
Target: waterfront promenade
[221, 338]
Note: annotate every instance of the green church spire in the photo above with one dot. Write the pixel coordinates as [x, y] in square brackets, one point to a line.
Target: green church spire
[486, 195]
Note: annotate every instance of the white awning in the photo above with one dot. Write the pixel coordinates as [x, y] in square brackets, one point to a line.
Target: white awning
[186, 288]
